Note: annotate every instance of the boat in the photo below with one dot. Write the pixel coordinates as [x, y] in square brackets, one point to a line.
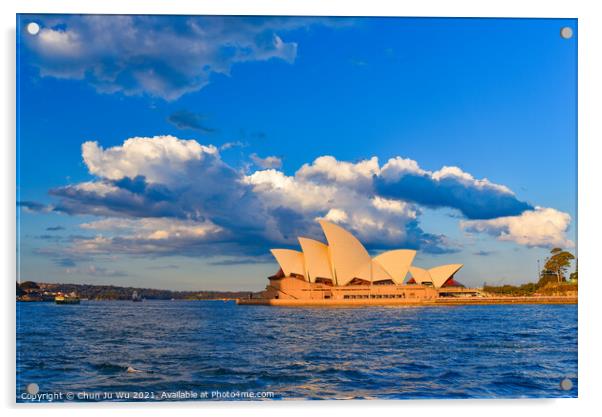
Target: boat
[136, 297]
[71, 298]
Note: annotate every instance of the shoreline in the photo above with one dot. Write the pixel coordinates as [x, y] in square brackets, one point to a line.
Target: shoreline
[121, 300]
[438, 302]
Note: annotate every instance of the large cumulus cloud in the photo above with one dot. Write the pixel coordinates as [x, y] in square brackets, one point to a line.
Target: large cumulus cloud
[164, 177]
[164, 196]
[155, 55]
[151, 190]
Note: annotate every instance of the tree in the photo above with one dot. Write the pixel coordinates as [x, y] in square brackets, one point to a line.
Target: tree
[558, 263]
[546, 277]
[29, 285]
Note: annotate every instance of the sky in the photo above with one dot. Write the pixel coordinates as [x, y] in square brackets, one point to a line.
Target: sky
[175, 151]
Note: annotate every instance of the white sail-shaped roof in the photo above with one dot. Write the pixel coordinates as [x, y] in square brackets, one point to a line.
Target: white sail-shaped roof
[291, 261]
[348, 256]
[420, 275]
[442, 273]
[396, 263]
[379, 273]
[317, 259]
[345, 258]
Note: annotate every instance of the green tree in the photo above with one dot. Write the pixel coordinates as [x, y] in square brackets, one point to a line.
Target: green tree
[558, 264]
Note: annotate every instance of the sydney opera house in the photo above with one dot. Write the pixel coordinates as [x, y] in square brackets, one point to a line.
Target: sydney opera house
[343, 272]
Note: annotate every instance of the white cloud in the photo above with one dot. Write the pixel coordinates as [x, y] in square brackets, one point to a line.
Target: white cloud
[267, 162]
[542, 227]
[189, 183]
[230, 145]
[156, 236]
[329, 169]
[277, 189]
[394, 206]
[450, 186]
[99, 188]
[191, 202]
[154, 228]
[467, 179]
[159, 56]
[397, 167]
[55, 42]
[338, 191]
[161, 159]
[336, 215]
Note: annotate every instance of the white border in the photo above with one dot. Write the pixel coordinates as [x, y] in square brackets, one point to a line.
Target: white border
[458, 8]
[590, 207]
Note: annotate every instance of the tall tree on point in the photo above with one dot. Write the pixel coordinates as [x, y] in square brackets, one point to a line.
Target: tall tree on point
[558, 263]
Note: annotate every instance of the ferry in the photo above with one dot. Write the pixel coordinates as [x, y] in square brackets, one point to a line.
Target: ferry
[71, 298]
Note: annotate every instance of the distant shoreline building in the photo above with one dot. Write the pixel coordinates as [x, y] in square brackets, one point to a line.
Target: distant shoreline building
[343, 272]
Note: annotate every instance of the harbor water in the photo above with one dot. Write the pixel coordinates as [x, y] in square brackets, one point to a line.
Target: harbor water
[216, 350]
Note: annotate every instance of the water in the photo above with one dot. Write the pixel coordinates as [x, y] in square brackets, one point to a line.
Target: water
[212, 346]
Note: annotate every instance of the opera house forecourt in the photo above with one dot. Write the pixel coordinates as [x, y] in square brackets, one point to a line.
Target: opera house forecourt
[343, 273]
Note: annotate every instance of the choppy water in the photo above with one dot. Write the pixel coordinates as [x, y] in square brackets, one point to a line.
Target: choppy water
[212, 346]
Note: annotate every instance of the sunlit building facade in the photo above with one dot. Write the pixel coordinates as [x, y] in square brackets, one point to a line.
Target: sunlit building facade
[342, 271]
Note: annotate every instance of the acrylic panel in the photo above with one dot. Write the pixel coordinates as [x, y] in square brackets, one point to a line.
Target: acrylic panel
[217, 208]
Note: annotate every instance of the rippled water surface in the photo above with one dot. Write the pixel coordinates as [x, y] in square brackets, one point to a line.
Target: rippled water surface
[207, 346]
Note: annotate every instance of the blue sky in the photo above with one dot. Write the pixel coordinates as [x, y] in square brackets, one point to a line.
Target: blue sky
[251, 128]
